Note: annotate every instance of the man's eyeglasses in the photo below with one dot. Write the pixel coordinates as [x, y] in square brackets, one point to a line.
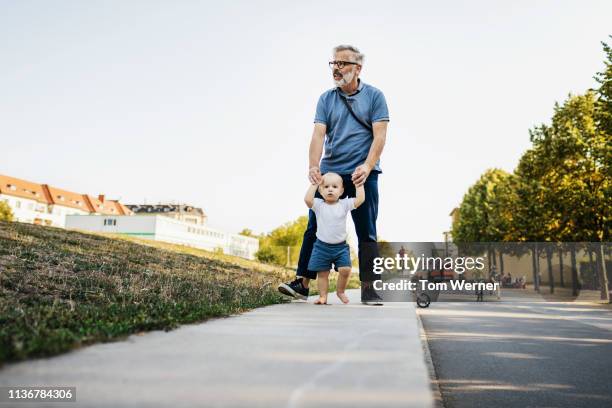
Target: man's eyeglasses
[341, 64]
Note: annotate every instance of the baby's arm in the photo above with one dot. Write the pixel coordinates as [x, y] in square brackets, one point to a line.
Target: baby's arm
[359, 196]
[309, 198]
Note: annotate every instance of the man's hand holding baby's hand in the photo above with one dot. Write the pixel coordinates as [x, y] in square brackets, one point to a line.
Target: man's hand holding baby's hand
[360, 174]
[314, 175]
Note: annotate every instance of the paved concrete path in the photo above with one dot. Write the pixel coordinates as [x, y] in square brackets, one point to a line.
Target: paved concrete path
[290, 355]
[521, 352]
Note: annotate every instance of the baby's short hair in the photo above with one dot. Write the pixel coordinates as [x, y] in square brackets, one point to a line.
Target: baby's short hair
[331, 174]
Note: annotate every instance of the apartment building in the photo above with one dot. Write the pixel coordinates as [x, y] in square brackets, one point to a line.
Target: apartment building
[182, 224]
[43, 204]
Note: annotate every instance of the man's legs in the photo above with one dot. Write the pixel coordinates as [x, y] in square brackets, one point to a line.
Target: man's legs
[306, 250]
[299, 287]
[364, 219]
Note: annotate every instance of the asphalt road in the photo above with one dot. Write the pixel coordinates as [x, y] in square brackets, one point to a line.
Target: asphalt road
[521, 352]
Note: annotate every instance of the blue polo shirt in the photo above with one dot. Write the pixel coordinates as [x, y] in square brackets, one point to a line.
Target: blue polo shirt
[347, 142]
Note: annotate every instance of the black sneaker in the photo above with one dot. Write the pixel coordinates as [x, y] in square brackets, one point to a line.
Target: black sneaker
[294, 289]
[370, 297]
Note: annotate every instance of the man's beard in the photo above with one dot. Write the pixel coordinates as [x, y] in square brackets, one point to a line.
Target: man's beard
[346, 79]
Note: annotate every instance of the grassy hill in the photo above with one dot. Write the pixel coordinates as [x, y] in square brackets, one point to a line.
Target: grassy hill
[62, 289]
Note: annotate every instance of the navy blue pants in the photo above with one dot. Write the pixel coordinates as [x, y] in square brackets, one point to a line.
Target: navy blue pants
[364, 218]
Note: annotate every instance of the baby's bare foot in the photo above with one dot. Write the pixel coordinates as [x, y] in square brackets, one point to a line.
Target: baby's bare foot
[342, 297]
[321, 301]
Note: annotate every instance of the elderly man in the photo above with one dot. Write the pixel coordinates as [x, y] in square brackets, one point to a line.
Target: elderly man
[351, 123]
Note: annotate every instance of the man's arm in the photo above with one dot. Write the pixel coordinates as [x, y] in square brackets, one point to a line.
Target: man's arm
[361, 173]
[359, 196]
[315, 152]
[309, 198]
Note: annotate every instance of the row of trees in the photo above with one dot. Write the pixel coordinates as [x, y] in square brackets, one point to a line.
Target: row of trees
[561, 190]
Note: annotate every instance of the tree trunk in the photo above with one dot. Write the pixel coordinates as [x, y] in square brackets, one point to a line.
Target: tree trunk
[489, 259]
[601, 269]
[534, 263]
[561, 281]
[593, 276]
[501, 262]
[574, 271]
[551, 278]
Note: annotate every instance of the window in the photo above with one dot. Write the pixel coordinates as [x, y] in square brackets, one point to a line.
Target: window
[12, 186]
[110, 222]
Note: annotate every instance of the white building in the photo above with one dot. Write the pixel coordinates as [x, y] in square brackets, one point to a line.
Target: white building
[180, 224]
[166, 229]
[43, 204]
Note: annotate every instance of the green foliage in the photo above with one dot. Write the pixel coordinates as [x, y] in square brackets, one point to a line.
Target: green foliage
[273, 246]
[484, 216]
[603, 108]
[5, 212]
[267, 255]
[564, 183]
[247, 233]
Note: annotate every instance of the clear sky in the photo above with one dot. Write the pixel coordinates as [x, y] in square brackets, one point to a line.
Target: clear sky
[211, 103]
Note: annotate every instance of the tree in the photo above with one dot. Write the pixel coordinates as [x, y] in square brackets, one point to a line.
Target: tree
[281, 245]
[247, 233]
[564, 181]
[603, 108]
[603, 122]
[484, 209]
[5, 212]
[485, 215]
[561, 190]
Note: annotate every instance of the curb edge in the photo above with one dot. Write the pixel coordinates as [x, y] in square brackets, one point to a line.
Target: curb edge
[438, 401]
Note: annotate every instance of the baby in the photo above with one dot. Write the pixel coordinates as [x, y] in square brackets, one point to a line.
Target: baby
[330, 246]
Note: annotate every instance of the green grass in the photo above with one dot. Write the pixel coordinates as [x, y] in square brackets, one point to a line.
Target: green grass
[62, 289]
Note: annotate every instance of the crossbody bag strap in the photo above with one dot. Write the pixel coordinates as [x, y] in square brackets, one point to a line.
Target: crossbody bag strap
[357, 118]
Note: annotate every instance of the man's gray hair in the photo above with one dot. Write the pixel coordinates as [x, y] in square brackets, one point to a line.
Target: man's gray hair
[358, 55]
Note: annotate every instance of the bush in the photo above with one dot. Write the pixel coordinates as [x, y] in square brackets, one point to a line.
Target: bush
[6, 214]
